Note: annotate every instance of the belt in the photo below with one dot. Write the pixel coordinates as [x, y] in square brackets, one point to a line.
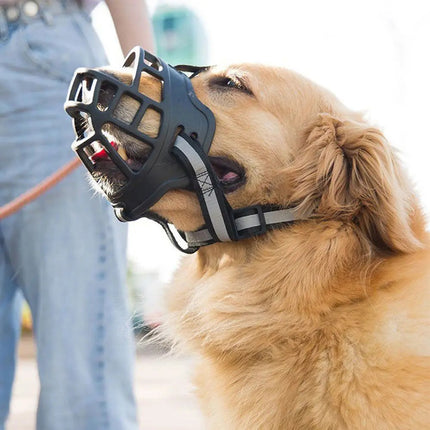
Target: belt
[23, 12]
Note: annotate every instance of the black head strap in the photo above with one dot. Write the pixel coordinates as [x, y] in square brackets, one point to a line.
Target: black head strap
[191, 71]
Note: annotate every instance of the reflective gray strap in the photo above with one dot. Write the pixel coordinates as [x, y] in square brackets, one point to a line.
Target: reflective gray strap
[271, 217]
[206, 187]
[244, 222]
[200, 236]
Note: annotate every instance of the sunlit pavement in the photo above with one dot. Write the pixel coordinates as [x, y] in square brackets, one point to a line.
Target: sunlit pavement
[163, 391]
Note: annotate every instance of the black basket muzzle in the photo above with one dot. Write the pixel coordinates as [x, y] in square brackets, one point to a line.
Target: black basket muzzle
[177, 108]
[178, 157]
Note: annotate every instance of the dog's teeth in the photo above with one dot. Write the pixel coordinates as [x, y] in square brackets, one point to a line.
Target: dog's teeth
[96, 146]
[122, 153]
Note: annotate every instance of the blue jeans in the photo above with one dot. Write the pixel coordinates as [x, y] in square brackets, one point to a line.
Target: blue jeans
[65, 252]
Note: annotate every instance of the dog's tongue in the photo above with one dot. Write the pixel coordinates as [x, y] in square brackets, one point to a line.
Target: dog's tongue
[102, 154]
[229, 177]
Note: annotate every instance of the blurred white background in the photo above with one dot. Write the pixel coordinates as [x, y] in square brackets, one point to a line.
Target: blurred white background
[373, 54]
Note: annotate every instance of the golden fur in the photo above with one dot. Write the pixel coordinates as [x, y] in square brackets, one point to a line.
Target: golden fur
[323, 324]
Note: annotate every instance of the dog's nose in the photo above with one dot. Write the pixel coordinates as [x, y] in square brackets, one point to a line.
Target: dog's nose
[107, 94]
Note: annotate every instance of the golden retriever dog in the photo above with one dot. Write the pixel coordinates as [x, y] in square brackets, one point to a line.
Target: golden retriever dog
[322, 324]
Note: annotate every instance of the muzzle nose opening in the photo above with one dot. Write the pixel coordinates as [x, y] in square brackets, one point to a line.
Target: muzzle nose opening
[132, 117]
[92, 98]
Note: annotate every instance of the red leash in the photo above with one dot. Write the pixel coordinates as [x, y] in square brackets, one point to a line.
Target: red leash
[33, 193]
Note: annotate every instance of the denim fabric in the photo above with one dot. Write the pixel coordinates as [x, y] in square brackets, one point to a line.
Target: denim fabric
[64, 252]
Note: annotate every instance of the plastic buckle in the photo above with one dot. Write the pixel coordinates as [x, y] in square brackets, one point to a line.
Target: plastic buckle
[252, 212]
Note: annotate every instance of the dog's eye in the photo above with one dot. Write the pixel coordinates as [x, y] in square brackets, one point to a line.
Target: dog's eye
[231, 82]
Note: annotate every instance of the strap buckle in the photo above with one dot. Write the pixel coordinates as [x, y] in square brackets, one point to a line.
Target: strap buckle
[250, 221]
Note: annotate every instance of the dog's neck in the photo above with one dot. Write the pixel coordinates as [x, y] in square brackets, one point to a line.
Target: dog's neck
[311, 260]
[287, 281]
[214, 257]
[295, 280]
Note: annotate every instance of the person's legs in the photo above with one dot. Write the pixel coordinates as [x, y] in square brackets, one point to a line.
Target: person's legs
[66, 247]
[77, 295]
[10, 313]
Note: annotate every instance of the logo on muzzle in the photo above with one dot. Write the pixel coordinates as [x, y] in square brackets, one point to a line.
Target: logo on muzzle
[176, 154]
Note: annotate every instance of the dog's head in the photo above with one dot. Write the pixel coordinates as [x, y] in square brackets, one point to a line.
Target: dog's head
[280, 140]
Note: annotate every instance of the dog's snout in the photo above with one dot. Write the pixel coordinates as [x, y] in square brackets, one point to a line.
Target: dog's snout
[122, 75]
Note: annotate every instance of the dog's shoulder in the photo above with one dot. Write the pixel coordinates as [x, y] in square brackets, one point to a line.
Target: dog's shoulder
[400, 306]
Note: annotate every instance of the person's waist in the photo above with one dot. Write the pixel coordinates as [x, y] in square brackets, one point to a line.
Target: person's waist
[25, 11]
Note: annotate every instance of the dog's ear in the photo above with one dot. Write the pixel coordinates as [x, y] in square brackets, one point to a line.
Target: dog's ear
[348, 171]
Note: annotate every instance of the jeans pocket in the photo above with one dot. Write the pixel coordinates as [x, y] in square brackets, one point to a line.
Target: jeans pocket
[57, 50]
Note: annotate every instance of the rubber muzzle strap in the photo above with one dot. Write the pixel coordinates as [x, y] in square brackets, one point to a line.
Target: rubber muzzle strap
[223, 224]
[215, 208]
